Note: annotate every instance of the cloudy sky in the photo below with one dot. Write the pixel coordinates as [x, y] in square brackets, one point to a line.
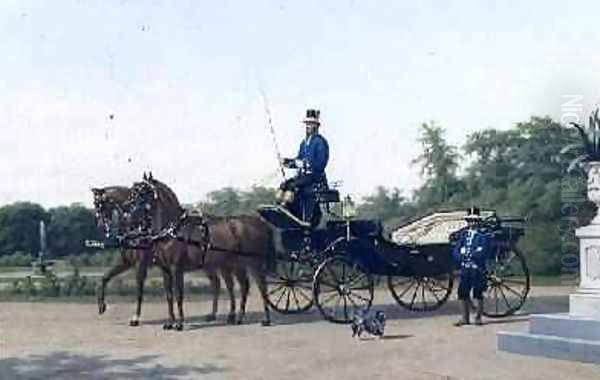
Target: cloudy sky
[183, 79]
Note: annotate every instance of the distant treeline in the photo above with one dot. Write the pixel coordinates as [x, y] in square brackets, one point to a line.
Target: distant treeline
[519, 171]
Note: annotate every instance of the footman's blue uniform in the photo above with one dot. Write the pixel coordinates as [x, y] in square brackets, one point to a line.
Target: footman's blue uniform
[473, 248]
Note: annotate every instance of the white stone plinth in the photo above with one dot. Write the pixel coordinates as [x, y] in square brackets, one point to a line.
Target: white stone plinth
[586, 302]
[573, 336]
[584, 305]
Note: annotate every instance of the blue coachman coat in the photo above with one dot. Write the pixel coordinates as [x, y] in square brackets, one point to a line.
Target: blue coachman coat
[473, 248]
[314, 153]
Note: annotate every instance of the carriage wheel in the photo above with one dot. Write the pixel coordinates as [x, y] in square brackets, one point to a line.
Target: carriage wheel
[290, 288]
[421, 293]
[341, 288]
[508, 284]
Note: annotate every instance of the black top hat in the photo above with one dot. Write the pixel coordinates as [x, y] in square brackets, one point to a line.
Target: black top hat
[312, 116]
[473, 213]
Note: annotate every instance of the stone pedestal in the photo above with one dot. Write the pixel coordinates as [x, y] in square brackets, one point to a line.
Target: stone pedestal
[574, 336]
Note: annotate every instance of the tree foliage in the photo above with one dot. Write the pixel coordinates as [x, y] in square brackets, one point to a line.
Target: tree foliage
[519, 171]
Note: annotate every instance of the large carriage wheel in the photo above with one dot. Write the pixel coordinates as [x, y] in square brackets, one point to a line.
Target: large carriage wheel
[341, 288]
[290, 288]
[421, 293]
[508, 284]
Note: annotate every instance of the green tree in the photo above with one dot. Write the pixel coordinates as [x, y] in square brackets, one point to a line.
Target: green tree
[386, 205]
[438, 164]
[19, 227]
[69, 227]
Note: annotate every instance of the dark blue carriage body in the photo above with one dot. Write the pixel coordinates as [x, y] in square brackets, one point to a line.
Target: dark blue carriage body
[363, 242]
[382, 257]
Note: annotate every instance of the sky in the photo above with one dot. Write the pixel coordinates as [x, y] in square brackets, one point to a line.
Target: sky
[95, 93]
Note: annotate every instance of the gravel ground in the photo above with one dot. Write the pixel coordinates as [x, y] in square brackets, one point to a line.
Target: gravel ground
[71, 341]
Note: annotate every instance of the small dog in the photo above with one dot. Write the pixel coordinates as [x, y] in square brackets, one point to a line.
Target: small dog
[368, 321]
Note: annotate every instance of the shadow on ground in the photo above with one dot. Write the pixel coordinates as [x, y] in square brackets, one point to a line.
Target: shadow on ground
[68, 365]
[533, 305]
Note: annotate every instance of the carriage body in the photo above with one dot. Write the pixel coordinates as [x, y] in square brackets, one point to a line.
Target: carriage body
[344, 256]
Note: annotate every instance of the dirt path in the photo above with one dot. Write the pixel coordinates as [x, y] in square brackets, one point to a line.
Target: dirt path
[70, 341]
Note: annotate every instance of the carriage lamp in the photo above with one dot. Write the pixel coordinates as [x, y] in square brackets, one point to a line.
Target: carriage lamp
[348, 208]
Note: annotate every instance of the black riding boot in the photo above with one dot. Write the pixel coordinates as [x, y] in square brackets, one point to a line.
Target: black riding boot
[479, 312]
[465, 308]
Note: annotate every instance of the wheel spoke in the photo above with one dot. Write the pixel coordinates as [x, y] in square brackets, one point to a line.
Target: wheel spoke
[359, 297]
[354, 281]
[504, 279]
[434, 293]
[287, 302]
[345, 307]
[352, 301]
[274, 290]
[280, 297]
[276, 281]
[505, 299]
[407, 289]
[304, 295]
[326, 300]
[412, 301]
[496, 298]
[295, 298]
[511, 290]
[438, 285]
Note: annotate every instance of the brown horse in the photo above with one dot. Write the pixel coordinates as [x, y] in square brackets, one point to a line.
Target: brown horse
[240, 243]
[110, 203]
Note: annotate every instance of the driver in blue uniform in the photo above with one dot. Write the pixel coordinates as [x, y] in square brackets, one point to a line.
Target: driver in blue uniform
[311, 162]
[472, 249]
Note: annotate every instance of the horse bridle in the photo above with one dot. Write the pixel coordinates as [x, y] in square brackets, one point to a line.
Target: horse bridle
[105, 208]
[141, 203]
[141, 200]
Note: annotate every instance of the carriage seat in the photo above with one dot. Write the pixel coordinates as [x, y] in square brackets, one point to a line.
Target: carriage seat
[324, 194]
[328, 196]
[358, 228]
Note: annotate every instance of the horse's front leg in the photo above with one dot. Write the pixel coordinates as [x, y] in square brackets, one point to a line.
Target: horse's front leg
[114, 271]
[215, 283]
[142, 272]
[228, 278]
[242, 277]
[168, 285]
[179, 287]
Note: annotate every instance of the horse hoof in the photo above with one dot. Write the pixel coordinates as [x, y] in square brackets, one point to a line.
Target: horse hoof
[210, 318]
[134, 323]
[179, 326]
[231, 320]
[101, 308]
[168, 326]
[266, 323]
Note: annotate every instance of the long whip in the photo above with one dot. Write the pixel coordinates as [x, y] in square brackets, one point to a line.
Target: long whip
[272, 130]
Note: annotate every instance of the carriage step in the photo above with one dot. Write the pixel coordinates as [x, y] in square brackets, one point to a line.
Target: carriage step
[280, 217]
[581, 350]
[565, 326]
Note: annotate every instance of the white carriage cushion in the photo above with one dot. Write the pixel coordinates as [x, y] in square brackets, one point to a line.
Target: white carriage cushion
[432, 229]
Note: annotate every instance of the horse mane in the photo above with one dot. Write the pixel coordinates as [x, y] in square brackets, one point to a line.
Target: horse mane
[171, 208]
[118, 194]
[167, 191]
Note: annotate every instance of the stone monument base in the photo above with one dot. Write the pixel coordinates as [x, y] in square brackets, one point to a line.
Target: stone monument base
[585, 304]
[557, 336]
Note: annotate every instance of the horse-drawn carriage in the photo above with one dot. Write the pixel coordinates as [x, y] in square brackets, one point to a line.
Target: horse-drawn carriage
[336, 266]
